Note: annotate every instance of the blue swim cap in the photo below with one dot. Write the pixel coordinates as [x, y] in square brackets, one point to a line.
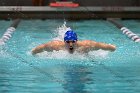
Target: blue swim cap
[70, 36]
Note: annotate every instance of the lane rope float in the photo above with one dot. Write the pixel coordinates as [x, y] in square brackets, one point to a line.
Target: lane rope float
[8, 33]
[130, 34]
[125, 30]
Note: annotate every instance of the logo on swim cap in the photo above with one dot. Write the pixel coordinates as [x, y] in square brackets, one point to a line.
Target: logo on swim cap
[70, 36]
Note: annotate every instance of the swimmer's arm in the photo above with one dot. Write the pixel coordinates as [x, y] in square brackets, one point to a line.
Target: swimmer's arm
[104, 46]
[39, 49]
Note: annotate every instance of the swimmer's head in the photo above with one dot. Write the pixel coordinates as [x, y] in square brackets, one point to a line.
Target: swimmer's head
[70, 36]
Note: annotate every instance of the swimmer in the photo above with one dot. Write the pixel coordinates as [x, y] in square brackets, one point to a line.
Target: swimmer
[71, 44]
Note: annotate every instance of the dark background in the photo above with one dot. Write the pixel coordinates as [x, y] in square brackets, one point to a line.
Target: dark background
[81, 2]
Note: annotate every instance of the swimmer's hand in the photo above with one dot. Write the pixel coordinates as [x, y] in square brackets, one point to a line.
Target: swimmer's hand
[112, 47]
[34, 51]
[39, 49]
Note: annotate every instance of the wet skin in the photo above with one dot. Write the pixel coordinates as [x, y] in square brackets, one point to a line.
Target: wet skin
[70, 46]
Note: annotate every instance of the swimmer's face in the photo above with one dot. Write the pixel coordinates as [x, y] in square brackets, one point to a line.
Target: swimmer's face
[70, 45]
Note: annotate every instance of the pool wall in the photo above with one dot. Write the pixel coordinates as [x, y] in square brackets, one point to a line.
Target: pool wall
[90, 9]
[81, 2]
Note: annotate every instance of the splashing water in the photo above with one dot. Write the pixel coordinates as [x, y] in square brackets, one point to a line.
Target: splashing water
[3, 53]
[60, 31]
[98, 54]
[61, 54]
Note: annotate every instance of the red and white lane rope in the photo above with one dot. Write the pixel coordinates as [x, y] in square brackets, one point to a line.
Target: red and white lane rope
[130, 34]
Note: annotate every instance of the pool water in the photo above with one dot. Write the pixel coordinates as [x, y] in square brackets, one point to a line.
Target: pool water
[60, 72]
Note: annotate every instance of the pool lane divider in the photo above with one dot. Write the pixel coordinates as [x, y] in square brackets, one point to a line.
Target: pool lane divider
[8, 33]
[125, 30]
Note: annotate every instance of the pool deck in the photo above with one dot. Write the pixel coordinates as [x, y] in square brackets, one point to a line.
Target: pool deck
[34, 12]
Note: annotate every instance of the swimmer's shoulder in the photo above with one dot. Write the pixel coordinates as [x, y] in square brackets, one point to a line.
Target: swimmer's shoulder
[57, 42]
[52, 43]
[85, 42]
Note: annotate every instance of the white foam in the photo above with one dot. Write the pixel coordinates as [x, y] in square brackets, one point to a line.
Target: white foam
[99, 54]
[61, 54]
[60, 31]
[3, 53]
[1, 42]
